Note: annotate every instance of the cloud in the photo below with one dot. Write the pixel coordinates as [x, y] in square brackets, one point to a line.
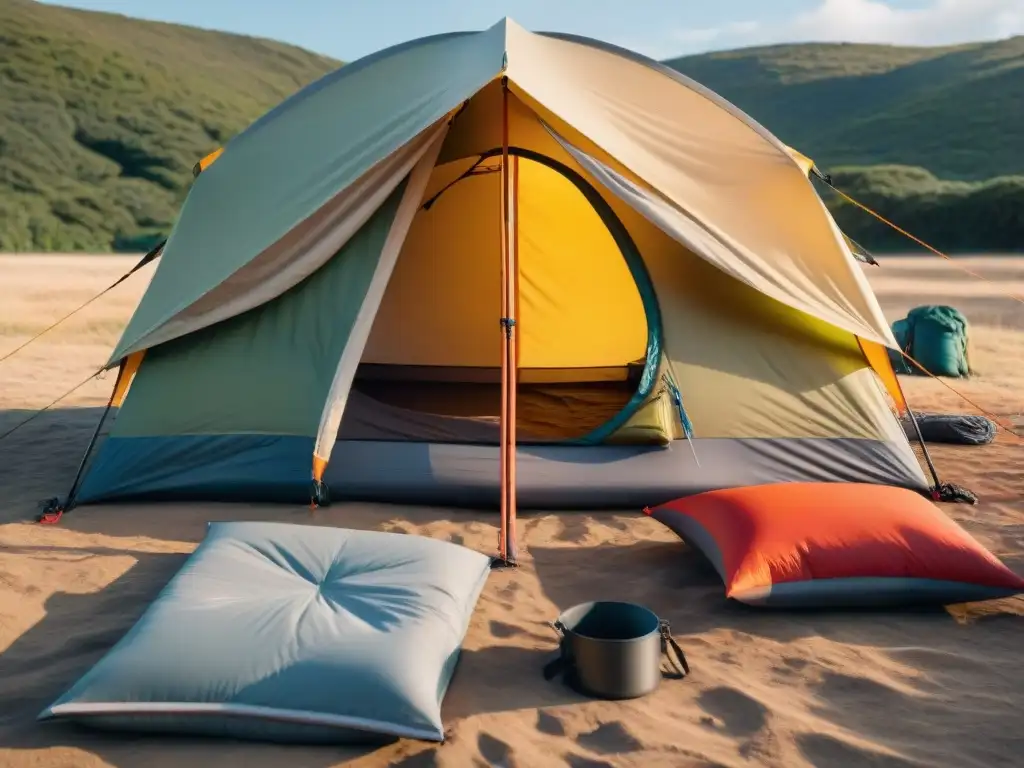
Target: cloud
[939, 22]
[711, 34]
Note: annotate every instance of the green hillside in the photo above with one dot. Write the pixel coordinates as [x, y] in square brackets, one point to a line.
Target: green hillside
[954, 216]
[954, 111]
[102, 118]
[928, 137]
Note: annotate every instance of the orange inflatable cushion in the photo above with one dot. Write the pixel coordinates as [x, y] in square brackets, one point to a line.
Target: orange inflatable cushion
[836, 543]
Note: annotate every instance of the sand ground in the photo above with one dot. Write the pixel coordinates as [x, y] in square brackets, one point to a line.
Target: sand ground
[940, 688]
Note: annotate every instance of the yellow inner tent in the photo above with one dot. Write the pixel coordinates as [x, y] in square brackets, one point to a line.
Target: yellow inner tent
[435, 346]
[579, 307]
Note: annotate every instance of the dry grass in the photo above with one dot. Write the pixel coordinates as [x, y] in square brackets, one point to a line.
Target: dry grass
[36, 291]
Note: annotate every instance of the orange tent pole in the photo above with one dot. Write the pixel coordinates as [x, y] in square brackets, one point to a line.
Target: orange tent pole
[509, 301]
[513, 367]
[503, 534]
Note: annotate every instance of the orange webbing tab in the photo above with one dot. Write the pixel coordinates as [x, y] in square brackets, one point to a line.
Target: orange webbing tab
[318, 491]
[319, 466]
[125, 377]
[878, 358]
[206, 162]
[52, 512]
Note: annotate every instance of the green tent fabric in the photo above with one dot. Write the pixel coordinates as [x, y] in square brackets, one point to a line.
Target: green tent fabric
[312, 320]
[936, 336]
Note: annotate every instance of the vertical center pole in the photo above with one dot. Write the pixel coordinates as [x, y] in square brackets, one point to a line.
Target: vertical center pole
[503, 535]
[513, 367]
[509, 300]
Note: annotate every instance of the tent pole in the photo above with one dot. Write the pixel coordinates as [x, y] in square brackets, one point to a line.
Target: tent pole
[503, 534]
[513, 368]
[506, 554]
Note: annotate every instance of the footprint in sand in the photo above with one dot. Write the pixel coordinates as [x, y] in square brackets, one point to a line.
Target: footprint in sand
[549, 724]
[739, 714]
[426, 759]
[574, 529]
[934, 660]
[822, 750]
[503, 630]
[579, 761]
[495, 752]
[610, 739]
[790, 667]
[509, 592]
[844, 691]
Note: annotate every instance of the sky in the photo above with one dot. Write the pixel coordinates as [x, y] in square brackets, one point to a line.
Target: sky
[349, 29]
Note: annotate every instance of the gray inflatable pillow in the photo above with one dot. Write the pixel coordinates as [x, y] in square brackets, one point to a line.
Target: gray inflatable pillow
[292, 633]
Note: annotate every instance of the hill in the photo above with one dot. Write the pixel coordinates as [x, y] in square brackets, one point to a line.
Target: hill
[954, 111]
[953, 216]
[928, 137]
[102, 118]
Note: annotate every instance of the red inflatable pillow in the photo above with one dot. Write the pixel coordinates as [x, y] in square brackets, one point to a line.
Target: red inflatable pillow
[832, 544]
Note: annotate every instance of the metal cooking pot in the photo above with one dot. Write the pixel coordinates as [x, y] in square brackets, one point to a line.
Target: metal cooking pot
[612, 650]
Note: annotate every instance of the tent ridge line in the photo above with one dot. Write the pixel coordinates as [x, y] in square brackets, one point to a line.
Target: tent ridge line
[685, 81]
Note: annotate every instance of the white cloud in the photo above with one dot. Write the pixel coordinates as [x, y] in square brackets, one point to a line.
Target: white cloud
[940, 22]
[709, 35]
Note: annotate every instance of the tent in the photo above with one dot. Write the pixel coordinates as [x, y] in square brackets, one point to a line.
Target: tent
[497, 262]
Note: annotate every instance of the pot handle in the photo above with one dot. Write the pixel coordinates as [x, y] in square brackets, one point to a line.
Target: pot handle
[682, 669]
[554, 667]
[557, 665]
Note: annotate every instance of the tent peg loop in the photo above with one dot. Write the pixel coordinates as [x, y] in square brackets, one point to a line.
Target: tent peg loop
[320, 495]
[51, 513]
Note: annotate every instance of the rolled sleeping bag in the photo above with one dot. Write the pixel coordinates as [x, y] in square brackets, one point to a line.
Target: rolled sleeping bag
[952, 428]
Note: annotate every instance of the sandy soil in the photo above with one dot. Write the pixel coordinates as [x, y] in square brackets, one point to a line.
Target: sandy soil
[943, 688]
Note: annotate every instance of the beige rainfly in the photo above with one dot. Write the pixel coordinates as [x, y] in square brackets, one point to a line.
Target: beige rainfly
[328, 306]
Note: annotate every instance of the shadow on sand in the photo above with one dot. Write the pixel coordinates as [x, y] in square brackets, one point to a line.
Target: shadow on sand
[909, 662]
[76, 629]
[645, 571]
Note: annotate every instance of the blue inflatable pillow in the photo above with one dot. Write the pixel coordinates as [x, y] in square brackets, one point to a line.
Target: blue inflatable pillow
[292, 633]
